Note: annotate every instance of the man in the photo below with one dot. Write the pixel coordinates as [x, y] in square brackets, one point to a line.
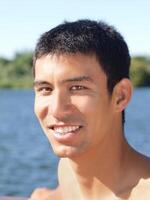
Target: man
[82, 88]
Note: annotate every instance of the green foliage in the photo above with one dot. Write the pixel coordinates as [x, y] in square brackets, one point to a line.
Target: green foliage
[17, 72]
[140, 71]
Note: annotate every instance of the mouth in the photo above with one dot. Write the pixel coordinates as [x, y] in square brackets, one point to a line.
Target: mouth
[66, 129]
[65, 132]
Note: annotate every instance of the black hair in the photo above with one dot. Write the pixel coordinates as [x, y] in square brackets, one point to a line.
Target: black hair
[89, 37]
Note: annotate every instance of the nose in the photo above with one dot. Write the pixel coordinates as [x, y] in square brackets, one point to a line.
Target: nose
[59, 105]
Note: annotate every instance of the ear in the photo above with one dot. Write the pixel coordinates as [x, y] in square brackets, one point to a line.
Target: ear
[122, 93]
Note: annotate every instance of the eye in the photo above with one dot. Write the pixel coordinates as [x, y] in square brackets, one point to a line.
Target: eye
[78, 87]
[44, 90]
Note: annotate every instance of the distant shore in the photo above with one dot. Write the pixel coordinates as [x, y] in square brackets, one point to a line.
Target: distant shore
[17, 72]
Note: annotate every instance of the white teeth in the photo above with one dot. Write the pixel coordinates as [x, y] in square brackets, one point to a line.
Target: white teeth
[65, 130]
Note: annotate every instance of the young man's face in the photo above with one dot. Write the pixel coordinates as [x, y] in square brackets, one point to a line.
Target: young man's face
[72, 102]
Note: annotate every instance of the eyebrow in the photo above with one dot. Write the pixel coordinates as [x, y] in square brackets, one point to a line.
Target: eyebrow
[78, 79]
[37, 83]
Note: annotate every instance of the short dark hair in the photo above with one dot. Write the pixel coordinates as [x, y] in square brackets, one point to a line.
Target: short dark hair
[89, 37]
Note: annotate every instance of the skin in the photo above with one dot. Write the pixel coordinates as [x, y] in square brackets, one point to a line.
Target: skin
[96, 161]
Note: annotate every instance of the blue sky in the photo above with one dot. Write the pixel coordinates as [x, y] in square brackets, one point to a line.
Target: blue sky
[23, 21]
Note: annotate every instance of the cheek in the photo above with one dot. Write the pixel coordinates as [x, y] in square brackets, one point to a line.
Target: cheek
[40, 107]
[94, 111]
[80, 102]
[87, 105]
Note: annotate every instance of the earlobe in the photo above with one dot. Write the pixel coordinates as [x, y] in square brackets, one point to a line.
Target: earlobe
[122, 94]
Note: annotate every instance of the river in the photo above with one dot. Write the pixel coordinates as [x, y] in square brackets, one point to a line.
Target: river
[26, 158]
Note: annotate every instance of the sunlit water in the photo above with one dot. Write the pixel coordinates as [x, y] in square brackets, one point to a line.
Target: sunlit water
[26, 159]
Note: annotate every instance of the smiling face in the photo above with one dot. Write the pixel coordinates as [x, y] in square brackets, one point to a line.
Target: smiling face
[72, 102]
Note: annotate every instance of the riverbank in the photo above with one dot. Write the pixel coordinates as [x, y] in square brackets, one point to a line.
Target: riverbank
[17, 72]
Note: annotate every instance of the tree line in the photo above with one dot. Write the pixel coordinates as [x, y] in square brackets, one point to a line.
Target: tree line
[17, 72]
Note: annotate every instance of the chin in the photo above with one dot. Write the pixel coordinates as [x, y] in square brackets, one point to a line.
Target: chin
[66, 152]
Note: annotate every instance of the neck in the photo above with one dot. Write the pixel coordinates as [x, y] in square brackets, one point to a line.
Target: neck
[99, 170]
[104, 163]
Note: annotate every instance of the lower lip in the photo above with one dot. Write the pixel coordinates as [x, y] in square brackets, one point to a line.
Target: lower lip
[67, 137]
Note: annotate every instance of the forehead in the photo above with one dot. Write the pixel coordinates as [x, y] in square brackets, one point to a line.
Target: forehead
[51, 67]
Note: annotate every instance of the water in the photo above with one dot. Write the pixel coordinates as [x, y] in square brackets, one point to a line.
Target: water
[138, 121]
[26, 158]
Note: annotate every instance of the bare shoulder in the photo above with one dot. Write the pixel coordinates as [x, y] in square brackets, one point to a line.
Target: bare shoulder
[142, 188]
[46, 194]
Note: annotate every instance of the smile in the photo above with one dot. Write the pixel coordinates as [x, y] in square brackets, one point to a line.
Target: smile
[65, 130]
